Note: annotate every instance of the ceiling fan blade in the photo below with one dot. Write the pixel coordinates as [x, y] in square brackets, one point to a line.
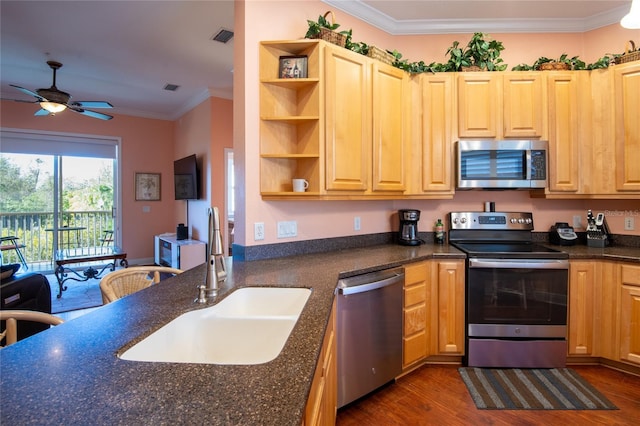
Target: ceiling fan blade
[21, 100]
[92, 104]
[28, 92]
[89, 113]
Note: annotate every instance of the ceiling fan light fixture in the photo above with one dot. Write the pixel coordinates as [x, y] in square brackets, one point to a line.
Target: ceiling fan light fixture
[632, 19]
[53, 107]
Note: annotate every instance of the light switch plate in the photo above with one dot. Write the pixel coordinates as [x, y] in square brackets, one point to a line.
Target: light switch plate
[258, 231]
[287, 229]
[629, 223]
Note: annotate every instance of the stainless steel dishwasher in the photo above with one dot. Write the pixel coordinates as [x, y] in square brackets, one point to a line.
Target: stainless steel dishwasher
[369, 332]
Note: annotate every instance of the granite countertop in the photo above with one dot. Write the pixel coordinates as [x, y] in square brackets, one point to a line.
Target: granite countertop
[619, 253]
[71, 374]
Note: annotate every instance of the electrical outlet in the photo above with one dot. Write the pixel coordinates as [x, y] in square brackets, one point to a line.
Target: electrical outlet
[356, 223]
[258, 231]
[629, 223]
[287, 229]
[577, 222]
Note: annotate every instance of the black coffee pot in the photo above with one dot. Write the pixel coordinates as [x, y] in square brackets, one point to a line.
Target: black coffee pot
[408, 232]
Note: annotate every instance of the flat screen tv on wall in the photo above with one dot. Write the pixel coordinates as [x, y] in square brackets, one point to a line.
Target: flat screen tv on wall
[186, 178]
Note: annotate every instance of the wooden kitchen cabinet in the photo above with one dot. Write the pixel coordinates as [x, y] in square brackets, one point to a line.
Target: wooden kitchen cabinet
[290, 121]
[630, 313]
[479, 96]
[495, 105]
[626, 99]
[366, 106]
[606, 335]
[523, 105]
[416, 281]
[390, 119]
[432, 150]
[617, 311]
[447, 314]
[433, 315]
[322, 404]
[609, 135]
[347, 121]
[567, 97]
[582, 277]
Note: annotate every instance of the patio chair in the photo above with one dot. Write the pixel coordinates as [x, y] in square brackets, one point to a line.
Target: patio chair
[107, 238]
[11, 318]
[10, 242]
[123, 282]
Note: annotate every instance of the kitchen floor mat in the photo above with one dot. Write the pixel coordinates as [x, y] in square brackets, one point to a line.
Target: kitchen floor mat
[532, 389]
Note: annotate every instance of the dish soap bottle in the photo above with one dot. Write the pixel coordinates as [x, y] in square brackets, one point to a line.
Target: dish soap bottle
[439, 232]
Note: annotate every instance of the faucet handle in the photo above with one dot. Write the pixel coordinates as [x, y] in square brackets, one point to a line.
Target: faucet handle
[221, 268]
[202, 298]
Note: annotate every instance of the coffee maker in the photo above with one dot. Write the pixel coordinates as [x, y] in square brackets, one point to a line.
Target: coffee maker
[408, 233]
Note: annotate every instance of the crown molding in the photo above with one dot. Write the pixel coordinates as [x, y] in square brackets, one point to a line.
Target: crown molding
[392, 26]
[185, 108]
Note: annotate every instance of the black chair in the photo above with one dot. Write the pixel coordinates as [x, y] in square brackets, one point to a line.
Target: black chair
[26, 292]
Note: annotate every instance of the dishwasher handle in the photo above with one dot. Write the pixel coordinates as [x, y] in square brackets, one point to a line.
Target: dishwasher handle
[360, 284]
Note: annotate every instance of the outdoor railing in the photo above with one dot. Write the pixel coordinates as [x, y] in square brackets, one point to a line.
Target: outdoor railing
[34, 230]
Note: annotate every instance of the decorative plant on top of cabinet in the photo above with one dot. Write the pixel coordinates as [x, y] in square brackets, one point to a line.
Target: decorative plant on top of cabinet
[480, 54]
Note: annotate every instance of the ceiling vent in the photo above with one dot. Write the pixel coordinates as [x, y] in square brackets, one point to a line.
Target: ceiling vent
[223, 36]
[171, 87]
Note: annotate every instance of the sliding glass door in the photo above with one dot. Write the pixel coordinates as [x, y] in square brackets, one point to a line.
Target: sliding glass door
[59, 201]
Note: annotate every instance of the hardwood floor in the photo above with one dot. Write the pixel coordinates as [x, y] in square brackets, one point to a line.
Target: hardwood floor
[436, 395]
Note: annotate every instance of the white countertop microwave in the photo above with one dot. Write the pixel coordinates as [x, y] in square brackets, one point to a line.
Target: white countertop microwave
[502, 164]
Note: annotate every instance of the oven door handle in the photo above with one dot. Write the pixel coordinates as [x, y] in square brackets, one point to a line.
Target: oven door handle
[520, 263]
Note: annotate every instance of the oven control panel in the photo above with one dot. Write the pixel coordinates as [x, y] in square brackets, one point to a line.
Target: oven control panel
[491, 220]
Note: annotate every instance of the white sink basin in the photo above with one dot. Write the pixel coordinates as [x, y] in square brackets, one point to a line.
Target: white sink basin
[250, 326]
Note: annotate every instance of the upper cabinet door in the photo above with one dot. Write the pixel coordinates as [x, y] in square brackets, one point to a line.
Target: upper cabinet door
[523, 109]
[478, 102]
[347, 120]
[627, 123]
[436, 147]
[389, 118]
[495, 105]
[564, 112]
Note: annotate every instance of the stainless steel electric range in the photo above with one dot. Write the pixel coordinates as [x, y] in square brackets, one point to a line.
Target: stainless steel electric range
[516, 292]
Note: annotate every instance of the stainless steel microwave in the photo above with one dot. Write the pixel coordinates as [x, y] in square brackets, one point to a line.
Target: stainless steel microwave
[503, 164]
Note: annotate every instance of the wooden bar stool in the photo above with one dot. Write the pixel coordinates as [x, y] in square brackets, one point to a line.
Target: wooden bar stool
[10, 242]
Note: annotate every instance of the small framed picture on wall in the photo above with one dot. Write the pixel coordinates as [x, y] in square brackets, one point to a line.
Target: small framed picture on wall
[293, 67]
[147, 186]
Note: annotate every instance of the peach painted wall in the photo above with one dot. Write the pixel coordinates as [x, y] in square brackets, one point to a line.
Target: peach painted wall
[221, 138]
[206, 131]
[193, 136]
[286, 20]
[147, 146]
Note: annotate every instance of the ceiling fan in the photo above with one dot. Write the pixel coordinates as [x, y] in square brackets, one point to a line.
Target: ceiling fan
[53, 100]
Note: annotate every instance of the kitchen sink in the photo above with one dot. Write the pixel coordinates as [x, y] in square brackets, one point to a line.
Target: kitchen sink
[250, 326]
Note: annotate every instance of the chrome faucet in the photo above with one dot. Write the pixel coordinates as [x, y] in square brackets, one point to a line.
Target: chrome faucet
[216, 268]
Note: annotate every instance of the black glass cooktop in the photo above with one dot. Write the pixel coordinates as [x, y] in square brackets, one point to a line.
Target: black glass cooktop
[521, 250]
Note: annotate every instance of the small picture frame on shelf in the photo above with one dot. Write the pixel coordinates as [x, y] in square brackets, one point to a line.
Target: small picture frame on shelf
[147, 186]
[292, 67]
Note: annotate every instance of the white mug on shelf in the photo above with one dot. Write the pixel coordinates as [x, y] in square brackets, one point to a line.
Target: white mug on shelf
[300, 185]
